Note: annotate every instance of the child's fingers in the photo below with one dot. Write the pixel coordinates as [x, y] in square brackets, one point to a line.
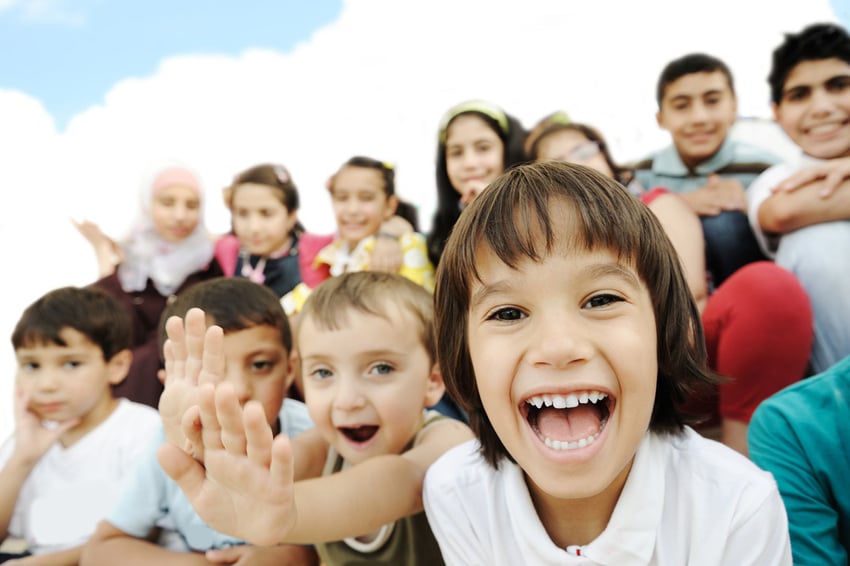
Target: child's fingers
[229, 414]
[174, 349]
[182, 468]
[212, 362]
[196, 328]
[191, 426]
[258, 434]
[211, 433]
[282, 470]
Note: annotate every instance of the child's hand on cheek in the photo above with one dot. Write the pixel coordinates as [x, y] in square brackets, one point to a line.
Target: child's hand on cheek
[32, 437]
[193, 356]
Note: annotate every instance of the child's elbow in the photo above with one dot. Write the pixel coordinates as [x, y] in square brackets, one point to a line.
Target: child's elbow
[777, 216]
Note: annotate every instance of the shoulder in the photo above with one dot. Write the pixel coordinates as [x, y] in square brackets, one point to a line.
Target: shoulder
[750, 153]
[294, 417]
[711, 475]
[807, 406]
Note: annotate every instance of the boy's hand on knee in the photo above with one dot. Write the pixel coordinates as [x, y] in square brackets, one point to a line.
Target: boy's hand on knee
[193, 356]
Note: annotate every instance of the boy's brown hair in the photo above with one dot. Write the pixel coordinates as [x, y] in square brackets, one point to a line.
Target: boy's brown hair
[513, 219]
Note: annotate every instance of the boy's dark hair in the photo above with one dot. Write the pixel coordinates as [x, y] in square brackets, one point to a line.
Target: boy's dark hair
[510, 218]
[687, 65]
[93, 313]
[404, 209]
[371, 292]
[814, 42]
[512, 134]
[233, 303]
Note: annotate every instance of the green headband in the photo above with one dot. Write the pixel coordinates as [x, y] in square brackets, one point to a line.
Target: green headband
[482, 107]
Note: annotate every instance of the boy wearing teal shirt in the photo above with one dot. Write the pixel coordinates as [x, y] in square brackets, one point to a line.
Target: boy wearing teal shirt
[802, 436]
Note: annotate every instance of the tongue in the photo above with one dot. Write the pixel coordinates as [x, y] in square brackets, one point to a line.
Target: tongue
[568, 424]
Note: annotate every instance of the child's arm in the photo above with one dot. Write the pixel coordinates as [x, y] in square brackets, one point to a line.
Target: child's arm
[249, 555]
[717, 195]
[107, 252]
[32, 440]
[247, 489]
[110, 545]
[387, 255]
[833, 173]
[67, 557]
[786, 210]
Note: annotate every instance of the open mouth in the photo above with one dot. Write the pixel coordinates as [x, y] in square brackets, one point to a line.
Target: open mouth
[359, 434]
[568, 422]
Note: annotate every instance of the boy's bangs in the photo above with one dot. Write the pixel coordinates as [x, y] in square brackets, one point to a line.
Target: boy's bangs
[531, 220]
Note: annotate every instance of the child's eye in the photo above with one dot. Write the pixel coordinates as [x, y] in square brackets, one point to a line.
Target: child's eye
[506, 314]
[796, 94]
[321, 373]
[381, 369]
[838, 84]
[262, 365]
[29, 366]
[71, 364]
[601, 300]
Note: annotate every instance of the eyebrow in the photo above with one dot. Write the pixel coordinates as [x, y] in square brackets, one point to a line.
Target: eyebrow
[595, 271]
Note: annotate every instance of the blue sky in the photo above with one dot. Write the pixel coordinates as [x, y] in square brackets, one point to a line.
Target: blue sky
[69, 53]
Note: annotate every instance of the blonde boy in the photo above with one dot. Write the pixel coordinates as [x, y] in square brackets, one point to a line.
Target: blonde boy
[367, 360]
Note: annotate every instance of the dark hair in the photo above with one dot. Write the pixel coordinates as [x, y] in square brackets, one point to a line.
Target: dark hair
[558, 122]
[274, 176]
[404, 209]
[512, 134]
[687, 65]
[233, 303]
[90, 311]
[814, 42]
[371, 292]
[514, 219]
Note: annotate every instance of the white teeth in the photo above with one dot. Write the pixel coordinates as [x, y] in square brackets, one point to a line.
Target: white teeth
[566, 402]
[572, 445]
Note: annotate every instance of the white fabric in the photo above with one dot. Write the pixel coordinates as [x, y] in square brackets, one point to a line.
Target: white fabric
[760, 190]
[687, 501]
[70, 490]
[148, 256]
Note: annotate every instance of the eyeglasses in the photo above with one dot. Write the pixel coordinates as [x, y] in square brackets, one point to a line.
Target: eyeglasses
[582, 153]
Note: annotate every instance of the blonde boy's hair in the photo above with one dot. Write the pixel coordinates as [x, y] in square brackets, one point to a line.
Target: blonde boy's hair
[374, 293]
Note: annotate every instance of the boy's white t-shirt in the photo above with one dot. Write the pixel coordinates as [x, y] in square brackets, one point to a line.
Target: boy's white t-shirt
[687, 500]
[70, 490]
[761, 189]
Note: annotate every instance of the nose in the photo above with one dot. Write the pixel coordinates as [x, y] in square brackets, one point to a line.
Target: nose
[699, 112]
[559, 341]
[47, 380]
[348, 396]
[821, 102]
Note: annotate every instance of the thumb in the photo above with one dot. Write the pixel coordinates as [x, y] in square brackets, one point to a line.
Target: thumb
[182, 468]
[224, 555]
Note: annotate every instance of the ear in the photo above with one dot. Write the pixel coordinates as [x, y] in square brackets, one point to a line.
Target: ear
[392, 205]
[659, 119]
[160, 375]
[777, 112]
[119, 366]
[329, 184]
[435, 388]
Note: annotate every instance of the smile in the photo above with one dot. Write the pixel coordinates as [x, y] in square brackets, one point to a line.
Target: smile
[568, 422]
[359, 434]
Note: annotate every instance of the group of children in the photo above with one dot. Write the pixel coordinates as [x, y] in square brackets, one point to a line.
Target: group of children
[542, 397]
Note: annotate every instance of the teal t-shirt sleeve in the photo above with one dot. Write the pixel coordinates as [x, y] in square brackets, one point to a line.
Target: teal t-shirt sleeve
[141, 503]
[779, 442]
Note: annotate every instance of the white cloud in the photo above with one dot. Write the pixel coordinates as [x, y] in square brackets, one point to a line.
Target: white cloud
[374, 82]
